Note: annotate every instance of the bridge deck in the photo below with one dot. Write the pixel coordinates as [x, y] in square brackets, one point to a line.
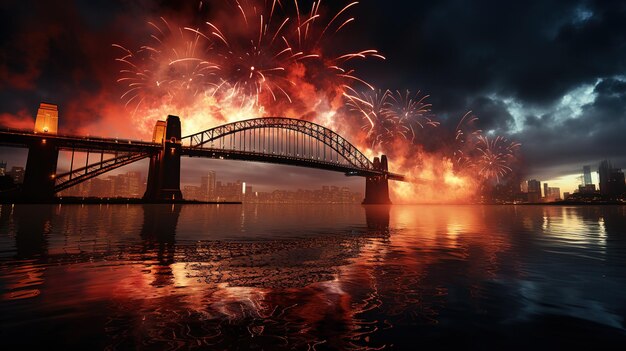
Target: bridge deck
[16, 137]
[216, 153]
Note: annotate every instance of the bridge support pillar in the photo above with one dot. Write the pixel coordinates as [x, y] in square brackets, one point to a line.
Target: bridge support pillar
[377, 187]
[40, 172]
[153, 178]
[164, 173]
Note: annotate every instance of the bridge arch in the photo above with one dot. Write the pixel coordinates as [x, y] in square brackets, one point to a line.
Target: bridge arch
[299, 143]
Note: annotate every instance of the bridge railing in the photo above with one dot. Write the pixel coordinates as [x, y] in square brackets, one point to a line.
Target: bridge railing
[30, 132]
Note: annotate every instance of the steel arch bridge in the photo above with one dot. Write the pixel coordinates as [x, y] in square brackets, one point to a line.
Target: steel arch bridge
[285, 141]
[277, 140]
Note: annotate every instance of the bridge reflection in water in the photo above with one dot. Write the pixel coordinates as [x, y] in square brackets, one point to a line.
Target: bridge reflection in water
[167, 276]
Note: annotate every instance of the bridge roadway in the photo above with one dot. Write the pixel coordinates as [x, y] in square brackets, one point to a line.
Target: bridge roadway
[65, 142]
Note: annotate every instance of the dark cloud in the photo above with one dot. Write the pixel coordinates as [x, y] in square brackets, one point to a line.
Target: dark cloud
[533, 50]
[493, 114]
[558, 146]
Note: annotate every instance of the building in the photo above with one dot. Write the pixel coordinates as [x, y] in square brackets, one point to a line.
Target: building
[553, 194]
[17, 173]
[523, 186]
[534, 190]
[587, 175]
[101, 187]
[587, 189]
[534, 186]
[126, 185]
[327, 194]
[135, 185]
[207, 187]
[3, 168]
[611, 180]
[229, 191]
[191, 192]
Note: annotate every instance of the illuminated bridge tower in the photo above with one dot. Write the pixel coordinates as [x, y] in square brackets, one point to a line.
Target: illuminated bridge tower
[41, 164]
[164, 173]
[377, 187]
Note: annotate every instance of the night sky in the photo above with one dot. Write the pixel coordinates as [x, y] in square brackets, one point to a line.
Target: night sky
[548, 74]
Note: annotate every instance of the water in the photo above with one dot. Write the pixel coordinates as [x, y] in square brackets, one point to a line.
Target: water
[312, 277]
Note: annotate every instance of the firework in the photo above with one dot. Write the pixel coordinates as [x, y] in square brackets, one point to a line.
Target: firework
[495, 157]
[411, 112]
[277, 40]
[173, 66]
[391, 116]
[490, 157]
[465, 139]
[255, 57]
[276, 57]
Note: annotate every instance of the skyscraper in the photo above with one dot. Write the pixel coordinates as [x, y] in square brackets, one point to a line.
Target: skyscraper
[604, 169]
[534, 190]
[534, 186]
[207, 187]
[546, 193]
[611, 179]
[587, 175]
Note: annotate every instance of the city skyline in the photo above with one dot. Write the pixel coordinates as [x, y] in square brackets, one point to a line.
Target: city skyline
[132, 184]
[579, 179]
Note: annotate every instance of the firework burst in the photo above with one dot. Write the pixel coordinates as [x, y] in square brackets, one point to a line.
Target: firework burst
[465, 139]
[411, 112]
[256, 57]
[495, 157]
[391, 116]
[170, 69]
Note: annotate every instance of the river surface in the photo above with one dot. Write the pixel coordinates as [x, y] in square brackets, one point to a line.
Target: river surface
[324, 277]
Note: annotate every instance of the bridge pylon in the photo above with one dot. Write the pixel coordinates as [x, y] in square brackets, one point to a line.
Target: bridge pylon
[40, 172]
[43, 155]
[164, 173]
[377, 187]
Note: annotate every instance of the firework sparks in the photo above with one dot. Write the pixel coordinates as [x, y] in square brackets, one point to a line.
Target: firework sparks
[389, 116]
[253, 58]
[172, 67]
[279, 58]
[465, 138]
[411, 112]
[495, 156]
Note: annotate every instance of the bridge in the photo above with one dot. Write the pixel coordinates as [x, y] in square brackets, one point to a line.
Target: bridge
[276, 140]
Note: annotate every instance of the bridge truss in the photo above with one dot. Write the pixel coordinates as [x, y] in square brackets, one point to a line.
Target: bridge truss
[282, 140]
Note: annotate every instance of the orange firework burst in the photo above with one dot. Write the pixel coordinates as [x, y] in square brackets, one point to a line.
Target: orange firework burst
[254, 57]
[389, 116]
[172, 68]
